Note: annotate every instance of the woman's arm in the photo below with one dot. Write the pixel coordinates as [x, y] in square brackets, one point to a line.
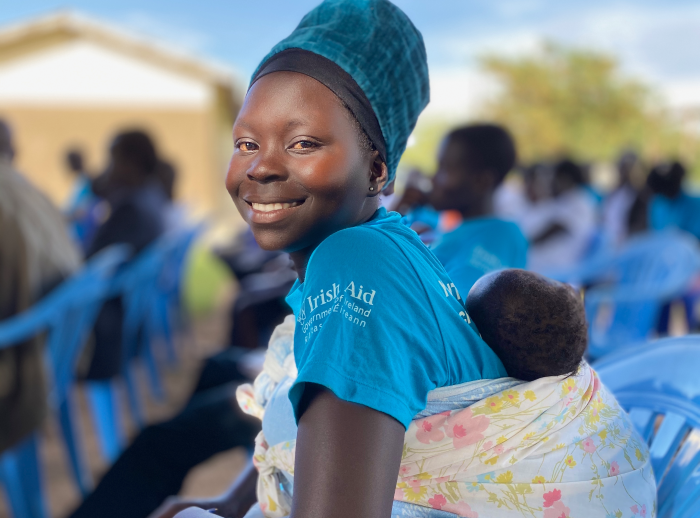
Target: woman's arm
[555, 229]
[347, 458]
[235, 504]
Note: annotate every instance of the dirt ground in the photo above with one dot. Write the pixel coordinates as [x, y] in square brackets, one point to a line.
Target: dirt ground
[210, 479]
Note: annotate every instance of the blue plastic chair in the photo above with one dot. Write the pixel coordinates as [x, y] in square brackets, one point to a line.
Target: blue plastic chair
[136, 283]
[167, 313]
[150, 288]
[66, 315]
[661, 381]
[630, 287]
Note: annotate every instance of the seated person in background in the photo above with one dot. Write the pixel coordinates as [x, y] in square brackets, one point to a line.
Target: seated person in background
[156, 463]
[666, 205]
[618, 204]
[561, 229]
[535, 325]
[83, 208]
[139, 209]
[175, 213]
[136, 196]
[36, 253]
[473, 161]
[265, 277]
[670, 205]
[516, 197]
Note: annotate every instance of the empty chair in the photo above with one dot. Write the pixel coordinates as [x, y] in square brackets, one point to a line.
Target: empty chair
[66, 315]
[659, 386]
[628, 288]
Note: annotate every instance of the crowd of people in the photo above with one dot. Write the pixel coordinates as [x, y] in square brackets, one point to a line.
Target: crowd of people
[559, 218]
[404, 368]
[42, 245]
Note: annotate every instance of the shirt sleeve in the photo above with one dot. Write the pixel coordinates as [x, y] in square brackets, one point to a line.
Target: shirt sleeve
[365, 330]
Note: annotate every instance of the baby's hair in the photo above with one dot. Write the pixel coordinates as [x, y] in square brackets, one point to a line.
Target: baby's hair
[537, 327]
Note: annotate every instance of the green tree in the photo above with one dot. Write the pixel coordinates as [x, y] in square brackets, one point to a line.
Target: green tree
[579, 103]
[574, 102]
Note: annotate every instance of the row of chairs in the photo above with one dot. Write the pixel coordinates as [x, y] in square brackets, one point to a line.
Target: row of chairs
[658, 384]
[627, 290]
[150, 286]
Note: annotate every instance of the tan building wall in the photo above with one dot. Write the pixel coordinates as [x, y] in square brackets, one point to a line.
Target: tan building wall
[187, 138]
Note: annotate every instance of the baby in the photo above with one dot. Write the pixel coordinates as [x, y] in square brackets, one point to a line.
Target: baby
[536, 326]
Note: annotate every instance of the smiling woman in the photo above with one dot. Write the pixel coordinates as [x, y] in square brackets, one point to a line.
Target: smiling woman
[319, 136]
[298, 174]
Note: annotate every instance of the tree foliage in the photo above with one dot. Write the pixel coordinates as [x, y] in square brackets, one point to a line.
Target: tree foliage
[573, 102]
[562, 101]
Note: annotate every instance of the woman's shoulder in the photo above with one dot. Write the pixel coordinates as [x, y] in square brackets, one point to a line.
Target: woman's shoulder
[366, 243]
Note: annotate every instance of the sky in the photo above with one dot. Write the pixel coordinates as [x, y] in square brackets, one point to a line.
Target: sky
[654, 40]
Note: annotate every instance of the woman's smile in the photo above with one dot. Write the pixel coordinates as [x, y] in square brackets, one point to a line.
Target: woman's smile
[271, 211]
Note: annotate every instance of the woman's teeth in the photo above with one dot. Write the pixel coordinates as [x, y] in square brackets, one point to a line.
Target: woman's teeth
[269, 207]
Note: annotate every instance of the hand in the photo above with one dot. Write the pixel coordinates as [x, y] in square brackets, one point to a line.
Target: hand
[174, 505]
[235, 504]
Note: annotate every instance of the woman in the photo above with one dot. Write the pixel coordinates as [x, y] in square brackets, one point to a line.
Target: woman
[378, 321]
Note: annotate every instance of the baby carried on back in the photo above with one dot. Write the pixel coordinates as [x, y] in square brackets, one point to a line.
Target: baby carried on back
[548, 442]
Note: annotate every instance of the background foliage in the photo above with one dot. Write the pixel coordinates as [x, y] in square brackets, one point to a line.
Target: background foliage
[574, 102]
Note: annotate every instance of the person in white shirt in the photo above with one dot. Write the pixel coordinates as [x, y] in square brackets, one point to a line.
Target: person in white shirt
[561, 228]
[618, 204]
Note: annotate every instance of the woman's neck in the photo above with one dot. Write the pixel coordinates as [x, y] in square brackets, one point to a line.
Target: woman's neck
[300, 258]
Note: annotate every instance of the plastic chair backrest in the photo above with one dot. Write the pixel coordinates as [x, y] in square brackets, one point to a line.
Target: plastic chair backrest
[67, 314]
[153, 272]
[630, 286]
[178, 244]
[660, 382]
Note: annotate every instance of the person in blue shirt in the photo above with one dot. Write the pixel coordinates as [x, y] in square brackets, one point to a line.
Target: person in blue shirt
[671, 206]
[83, 207]
[379, 322]
[472, 163]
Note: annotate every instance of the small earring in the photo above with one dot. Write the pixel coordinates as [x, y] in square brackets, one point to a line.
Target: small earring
[371, 188]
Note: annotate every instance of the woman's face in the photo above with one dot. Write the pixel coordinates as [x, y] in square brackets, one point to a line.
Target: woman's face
[298, 173]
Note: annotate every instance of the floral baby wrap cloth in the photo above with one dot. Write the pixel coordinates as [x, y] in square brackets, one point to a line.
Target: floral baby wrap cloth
[557, 447]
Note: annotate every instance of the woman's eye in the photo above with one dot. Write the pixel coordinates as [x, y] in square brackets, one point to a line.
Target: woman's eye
[303, 144]
[246, 146]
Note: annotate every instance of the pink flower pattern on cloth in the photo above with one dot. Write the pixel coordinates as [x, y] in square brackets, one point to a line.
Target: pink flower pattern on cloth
[430, 429]
[553, 448]
[558, 447]
[465, 429]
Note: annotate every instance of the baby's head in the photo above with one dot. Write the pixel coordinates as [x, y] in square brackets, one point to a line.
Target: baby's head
[536, 326]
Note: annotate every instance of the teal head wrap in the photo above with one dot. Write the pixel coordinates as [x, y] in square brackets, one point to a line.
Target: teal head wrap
[378, 46]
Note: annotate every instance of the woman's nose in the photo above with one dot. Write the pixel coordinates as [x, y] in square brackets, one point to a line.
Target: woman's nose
[267, 167]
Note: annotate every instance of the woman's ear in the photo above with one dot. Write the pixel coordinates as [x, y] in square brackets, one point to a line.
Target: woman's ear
[378, 174]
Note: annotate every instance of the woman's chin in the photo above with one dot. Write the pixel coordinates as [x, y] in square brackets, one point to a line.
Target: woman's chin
[272, 241]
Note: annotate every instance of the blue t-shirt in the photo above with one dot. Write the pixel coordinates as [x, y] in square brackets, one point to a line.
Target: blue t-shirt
[480, 246]
[380, 323]
[681, 212]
